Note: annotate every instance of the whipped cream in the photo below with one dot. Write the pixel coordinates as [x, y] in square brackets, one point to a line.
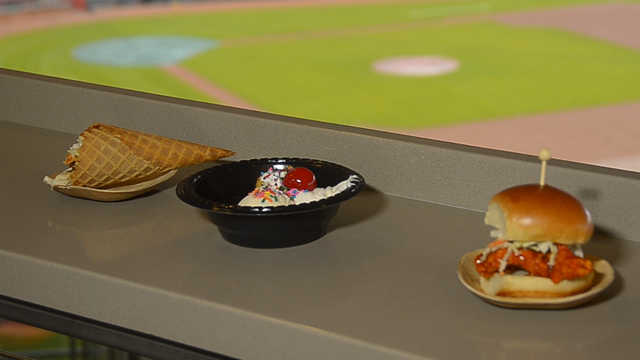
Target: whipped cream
[270, 191]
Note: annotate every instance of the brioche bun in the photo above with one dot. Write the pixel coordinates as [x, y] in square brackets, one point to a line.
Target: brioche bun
[533, 286]
[539, 213]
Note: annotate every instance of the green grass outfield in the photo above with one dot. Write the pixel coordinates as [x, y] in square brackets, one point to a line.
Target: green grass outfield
[322, 70]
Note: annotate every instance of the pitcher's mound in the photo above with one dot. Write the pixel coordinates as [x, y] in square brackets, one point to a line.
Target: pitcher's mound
[416, 66]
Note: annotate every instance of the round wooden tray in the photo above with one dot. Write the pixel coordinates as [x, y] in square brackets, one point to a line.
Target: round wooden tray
[470, 278]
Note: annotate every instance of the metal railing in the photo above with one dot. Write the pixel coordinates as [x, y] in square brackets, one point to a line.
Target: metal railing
[9, 356]
[18, 342]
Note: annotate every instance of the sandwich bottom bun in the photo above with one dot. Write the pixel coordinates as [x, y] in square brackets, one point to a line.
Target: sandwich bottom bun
[533, 286]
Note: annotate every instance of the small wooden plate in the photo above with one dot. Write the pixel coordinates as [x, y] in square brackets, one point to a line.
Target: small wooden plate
[470, 278]
[117, 193]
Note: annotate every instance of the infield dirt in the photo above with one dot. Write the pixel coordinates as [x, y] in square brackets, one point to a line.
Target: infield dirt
[606, 136]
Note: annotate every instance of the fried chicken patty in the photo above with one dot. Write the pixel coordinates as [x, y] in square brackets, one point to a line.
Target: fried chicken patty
[567, 265]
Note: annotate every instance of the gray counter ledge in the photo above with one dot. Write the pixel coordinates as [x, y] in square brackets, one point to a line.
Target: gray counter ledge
[381, 284]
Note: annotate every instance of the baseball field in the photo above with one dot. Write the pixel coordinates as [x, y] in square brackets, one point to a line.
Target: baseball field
[316, 61]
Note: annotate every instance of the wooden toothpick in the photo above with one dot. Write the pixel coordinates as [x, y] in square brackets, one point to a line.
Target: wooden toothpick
[544, 155]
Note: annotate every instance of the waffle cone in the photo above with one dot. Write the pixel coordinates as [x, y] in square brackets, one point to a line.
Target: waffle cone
[108, 156]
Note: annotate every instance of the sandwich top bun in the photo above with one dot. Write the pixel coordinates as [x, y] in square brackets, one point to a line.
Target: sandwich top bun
[539, 213]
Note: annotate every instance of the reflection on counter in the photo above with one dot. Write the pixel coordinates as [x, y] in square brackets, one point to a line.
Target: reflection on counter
[531, 337]
[112, 239]
[20, 341]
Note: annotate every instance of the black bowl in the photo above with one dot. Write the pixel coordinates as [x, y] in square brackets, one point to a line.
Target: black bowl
[218, 190]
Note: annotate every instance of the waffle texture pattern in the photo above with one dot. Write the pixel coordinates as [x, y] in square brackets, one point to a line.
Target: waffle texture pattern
[110, 156]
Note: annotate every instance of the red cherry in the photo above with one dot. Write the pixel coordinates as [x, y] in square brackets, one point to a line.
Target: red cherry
[300, 178]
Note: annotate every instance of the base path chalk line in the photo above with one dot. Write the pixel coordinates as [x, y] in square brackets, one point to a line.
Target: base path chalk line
[206, 86]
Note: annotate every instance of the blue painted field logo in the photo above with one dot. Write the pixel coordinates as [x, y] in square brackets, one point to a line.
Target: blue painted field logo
[142, 51]
[416, 66]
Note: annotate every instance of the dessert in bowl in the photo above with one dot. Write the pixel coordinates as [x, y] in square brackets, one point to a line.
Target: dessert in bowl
[249, 203]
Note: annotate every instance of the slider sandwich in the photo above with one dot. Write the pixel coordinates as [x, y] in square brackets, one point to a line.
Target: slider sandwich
[539, 231]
